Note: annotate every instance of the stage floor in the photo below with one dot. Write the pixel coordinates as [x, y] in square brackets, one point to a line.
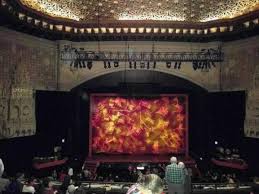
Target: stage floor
[92, 162]
[104, 158]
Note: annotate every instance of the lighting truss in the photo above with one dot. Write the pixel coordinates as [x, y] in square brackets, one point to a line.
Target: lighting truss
[208, 55]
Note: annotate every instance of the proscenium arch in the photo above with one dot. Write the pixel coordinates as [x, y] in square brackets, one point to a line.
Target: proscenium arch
[142, 83]
[155, 81]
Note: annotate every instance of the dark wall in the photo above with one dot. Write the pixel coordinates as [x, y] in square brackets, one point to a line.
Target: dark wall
[17, 153]
[55, 114]
[226, 118]
[54, 119]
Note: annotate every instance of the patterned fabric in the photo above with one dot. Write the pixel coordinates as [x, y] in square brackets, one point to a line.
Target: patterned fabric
[174, 174]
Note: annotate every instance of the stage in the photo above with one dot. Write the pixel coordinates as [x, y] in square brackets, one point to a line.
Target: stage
[126, 158]
[91, 163]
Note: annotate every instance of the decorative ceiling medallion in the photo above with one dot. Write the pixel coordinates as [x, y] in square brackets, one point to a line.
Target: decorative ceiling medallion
[165, 10]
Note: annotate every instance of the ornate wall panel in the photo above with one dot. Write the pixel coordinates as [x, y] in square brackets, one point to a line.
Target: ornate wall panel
[252, 104]
[26, 64]
[240, 71]
[17, 114]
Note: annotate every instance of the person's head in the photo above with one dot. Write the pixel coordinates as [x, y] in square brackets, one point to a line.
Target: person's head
[173, 160]
[71, 189]
[19, 175]
[153, 183]
[66, 182]
[181, 165]
[46, 182]
[139, 172]
[31, 181]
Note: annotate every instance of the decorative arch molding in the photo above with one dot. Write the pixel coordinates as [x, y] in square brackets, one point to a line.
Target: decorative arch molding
[179, 75]
[156, 77]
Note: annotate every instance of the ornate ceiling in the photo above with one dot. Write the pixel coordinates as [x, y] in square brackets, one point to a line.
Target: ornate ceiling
[166, 10]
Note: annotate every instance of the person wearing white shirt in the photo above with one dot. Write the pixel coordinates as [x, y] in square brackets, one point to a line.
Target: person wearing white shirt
[29, 188]
[1, 167]
[70, 172]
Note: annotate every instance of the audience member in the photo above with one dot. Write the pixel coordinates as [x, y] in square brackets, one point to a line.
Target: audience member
[140, 176]
[187, 179]
[4, 182]
[230, 180]
[15, 185]
[71, 189]
[70, 171]
[62, 175]
[67, 181]
[151, 184]
[87, 174]
[47, 187]
[1, 167]
[28, 187]
[174, 177]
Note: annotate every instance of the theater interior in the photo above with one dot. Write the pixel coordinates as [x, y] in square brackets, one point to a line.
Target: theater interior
[107, 91]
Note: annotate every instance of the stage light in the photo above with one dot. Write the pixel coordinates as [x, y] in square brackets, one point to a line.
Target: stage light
[216, 143]
[63, 140]
[177, 65]
[133, 64]
[89, 64]
[168, 64]
[107, 64]
[21, 16]
[201, 158]
[140, 168]
[116, 64]
[84, 96]
[44, 24]
[36, 22]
